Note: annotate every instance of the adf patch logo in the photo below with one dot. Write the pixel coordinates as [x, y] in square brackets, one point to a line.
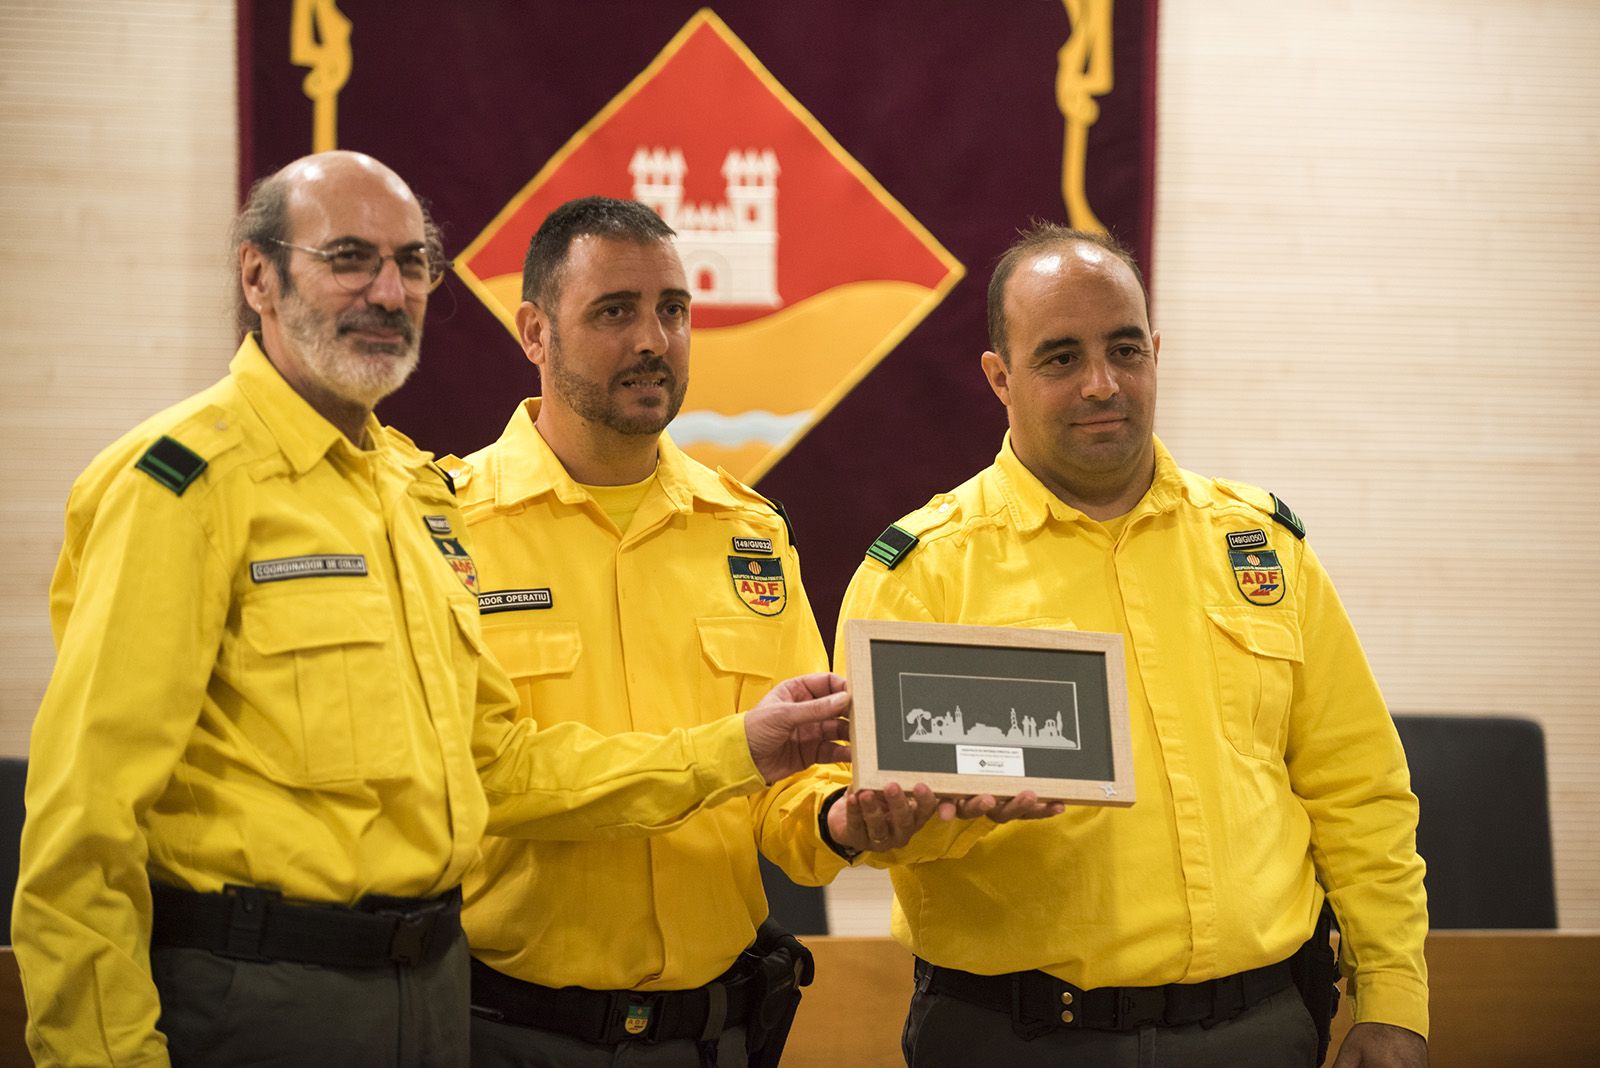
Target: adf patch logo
[461, 563]
[1259, 575]
[759, 583]
[801, 263]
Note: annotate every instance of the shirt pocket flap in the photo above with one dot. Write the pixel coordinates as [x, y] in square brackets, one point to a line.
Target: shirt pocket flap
[530, 651]
[1042, 623]
[466, 617]
[738, 646]
[1260, 632]
[294, 621]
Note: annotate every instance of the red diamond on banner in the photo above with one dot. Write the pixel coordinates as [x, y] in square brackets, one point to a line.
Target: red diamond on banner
[805, 271]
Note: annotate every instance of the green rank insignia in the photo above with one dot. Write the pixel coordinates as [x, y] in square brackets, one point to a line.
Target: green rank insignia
[892, 546]
[172, 464]
[1284, 515]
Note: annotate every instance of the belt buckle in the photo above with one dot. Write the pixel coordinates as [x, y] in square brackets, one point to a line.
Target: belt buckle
[413, 930]
[247, 920]
[635, 1014]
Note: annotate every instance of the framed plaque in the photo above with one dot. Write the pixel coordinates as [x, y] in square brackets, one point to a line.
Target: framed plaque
[990, 710]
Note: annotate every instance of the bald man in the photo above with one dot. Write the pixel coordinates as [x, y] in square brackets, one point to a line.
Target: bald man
[1183, 930]
[273, 740]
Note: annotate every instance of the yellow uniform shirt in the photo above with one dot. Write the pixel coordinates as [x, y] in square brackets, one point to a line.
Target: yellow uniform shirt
[276, 677]
[688, 617]
[1264, 757]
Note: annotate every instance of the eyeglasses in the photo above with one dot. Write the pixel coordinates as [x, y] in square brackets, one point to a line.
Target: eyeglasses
[355, 267]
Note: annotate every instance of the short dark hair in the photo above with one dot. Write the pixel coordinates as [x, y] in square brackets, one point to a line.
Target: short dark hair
[627, 220]
[1035, 238]
[264, 221]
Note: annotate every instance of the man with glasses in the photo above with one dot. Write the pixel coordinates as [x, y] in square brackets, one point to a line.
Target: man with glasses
[273, 739]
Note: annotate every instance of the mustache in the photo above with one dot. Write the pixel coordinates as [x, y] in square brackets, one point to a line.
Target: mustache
[378, 319]
[653, 365]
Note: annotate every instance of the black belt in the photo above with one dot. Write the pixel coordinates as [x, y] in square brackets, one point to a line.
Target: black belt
[606, 1017]
[1038, 1003]
[255, 924]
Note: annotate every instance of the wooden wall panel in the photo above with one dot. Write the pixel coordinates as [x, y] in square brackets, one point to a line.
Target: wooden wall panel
[117, 183]
[1377, 253]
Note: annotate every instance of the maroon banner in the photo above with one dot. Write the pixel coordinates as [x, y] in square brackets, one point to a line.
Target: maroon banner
[842, 177]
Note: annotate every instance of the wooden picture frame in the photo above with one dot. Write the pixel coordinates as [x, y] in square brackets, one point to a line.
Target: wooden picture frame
[1045, 710]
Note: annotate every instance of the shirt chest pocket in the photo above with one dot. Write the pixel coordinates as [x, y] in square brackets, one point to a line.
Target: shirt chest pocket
[537, 657]
[739, 657]
[1256, 653]
[324, 706]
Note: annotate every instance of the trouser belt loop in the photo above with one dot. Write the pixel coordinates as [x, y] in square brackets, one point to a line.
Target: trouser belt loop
[247, 920]
[716, 1011]
[1228, 999]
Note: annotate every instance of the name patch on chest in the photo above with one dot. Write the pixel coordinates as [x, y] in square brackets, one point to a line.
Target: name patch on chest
[758, 582]
[753, 545]
[1259, 576]
[292, 567]
[514, 600]
[439, 524]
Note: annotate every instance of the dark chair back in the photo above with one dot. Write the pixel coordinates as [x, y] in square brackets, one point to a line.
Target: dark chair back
[13, 774]
[1485, 825]
[800, 910]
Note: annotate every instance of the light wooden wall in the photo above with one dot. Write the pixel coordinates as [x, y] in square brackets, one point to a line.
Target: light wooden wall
[117, 177]
[1378, 236]
[1378, 277]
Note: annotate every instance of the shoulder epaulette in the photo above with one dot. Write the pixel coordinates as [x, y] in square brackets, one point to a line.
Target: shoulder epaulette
[777, 506]
[172, 464]
[459, 470]
[892, 546]
[449, 483]
[1284, 516]
[739, 489]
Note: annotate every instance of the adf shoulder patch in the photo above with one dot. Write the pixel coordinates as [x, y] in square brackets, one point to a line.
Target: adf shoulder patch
[455, 554]
[1259, 575]
[758, 582]
[172, 464]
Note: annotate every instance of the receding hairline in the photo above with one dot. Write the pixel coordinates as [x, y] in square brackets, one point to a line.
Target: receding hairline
[1042, 239]
[309, 181]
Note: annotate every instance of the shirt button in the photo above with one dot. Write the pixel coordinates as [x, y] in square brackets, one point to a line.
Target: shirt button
[1066, 998]
[1066, 1017]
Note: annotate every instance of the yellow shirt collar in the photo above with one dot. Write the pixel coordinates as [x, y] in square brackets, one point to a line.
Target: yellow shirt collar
[536, 470]
[301, 432]
[1031, 503]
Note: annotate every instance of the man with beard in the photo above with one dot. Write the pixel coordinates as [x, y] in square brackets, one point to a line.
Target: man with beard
[273, 739]
[630, 588]
[1268, 773]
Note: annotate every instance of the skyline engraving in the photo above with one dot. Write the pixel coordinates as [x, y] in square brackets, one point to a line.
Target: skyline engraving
[989, 710]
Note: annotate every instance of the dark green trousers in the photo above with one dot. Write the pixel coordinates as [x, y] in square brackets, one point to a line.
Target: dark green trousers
[501, 1045]
[942, 1032]
[224, 1012]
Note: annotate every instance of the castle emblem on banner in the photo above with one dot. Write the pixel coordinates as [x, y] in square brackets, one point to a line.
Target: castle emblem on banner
[784, 326]
[729, 250]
